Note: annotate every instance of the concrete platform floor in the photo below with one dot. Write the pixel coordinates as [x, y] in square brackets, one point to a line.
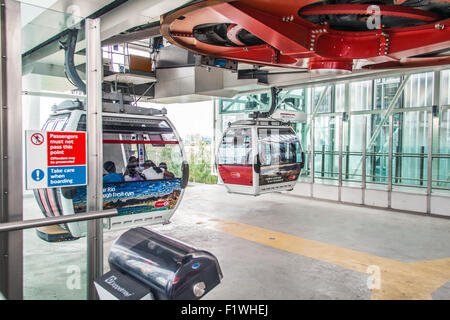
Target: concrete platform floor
[276, 246]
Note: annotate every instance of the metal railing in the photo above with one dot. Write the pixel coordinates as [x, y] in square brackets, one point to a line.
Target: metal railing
[372, 175]
[36, 223]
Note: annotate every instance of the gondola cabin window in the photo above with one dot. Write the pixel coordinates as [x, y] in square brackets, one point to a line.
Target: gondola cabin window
[280, 155]
[236, 147]
[142, 166]
[278, 146]
[57, 123]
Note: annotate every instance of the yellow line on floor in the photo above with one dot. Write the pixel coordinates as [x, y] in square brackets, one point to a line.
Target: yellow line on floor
[398, 280]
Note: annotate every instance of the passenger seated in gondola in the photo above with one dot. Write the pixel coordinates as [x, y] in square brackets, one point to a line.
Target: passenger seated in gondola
[167, 174]
[132, 160]
[111, 176]
[151, 171]
[133, 173]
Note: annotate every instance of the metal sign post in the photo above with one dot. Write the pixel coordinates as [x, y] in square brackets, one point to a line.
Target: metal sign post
[95, 152]
[11, 191]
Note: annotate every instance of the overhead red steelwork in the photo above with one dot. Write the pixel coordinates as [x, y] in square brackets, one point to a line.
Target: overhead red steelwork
[295, 33]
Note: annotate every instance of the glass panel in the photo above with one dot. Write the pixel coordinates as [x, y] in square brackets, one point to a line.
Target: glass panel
[339, 99]
[445, 87]
[410, 149]
[54, 257]
[249, 103]
[361, 95]
[325, 106]
[40, 24]
[352, 162]
[441, 154]
[378, 151]
[419, 90]
[293, 99]
[326, 141]
[309, 100]
[385, 90]
[53, 269]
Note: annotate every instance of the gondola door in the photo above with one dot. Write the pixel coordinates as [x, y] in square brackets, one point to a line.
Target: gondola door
[236, 160]
[279, 158]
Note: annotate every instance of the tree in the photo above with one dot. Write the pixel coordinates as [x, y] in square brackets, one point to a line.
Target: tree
[200, 164]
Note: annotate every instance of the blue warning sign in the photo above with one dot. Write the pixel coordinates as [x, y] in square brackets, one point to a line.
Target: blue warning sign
[66, 176]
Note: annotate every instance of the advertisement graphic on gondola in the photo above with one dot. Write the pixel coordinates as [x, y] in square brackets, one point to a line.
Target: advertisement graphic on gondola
[135, 197]
[279, 174]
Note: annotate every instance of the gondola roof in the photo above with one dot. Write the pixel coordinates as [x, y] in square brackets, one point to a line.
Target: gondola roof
[260, 122]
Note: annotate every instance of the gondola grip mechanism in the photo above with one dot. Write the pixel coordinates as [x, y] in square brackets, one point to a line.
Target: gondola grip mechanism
[302, 165]
[257, 166]
[185, 179]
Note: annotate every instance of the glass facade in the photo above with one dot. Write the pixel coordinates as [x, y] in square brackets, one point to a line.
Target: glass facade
[52, 268]
[400, 123]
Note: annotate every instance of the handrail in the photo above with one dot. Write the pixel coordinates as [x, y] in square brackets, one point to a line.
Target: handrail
[35, 223]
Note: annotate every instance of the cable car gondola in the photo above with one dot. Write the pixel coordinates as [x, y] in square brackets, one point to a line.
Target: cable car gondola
[258, 156]
[145, 170]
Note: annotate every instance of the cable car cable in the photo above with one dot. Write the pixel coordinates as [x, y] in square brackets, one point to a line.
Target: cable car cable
[69, 62]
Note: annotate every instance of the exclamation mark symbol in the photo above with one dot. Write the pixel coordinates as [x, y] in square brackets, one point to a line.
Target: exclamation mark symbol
[37, 175]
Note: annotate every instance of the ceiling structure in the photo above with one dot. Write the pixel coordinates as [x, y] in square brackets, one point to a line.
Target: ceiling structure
[293, 42]
[337, 36]
[45, 23]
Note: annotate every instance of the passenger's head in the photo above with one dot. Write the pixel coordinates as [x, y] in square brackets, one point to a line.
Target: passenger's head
[132, 168]
[109, 166]
[163, 165]
[132, 159]
[147, 164]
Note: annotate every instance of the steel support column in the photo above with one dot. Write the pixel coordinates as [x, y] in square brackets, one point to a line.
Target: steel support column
[312, 156]
[391, 140]
[363, 159]
[95, 152]
[430, 159]
[216, 135]
[431, 135]
[11, 173]
[341, 142]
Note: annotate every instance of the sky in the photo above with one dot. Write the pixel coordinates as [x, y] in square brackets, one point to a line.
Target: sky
[190, 118]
